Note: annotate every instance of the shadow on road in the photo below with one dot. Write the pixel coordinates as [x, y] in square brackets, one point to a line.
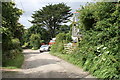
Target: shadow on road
[41, 74]
[38, 63]
[43, 65]
[26, 53]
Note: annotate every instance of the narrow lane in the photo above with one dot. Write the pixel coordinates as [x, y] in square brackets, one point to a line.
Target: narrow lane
[44, 65]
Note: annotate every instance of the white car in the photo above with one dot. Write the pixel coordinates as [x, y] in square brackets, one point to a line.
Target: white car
[44, 48]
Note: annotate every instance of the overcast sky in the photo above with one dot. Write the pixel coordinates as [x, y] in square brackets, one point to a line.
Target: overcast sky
[29, 6]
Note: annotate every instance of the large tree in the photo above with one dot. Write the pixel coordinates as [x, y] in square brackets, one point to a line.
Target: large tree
[35, 30]
[51, 17]
[11, 31]
[10, 17]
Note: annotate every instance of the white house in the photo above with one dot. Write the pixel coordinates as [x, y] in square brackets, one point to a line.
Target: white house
[75, 30]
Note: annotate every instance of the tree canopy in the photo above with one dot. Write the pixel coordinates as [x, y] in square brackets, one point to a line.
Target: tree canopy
[51, 17]
[10, 17]
[11, 30]
[44, 35]
[35, 41]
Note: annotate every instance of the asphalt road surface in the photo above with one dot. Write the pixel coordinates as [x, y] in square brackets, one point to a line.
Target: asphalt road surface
[45, 65]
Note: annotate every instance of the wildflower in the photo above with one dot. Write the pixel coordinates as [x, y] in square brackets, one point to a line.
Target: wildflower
[104, 48]
[107, 52]
[98, 50]
[103, 59]
[99, 54]
[100, 46]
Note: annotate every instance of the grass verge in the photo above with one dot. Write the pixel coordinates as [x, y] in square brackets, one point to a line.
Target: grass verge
[68, 57]
[14, 63]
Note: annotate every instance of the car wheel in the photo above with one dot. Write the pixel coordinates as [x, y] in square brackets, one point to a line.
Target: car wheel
[48, 49]
[40, 51]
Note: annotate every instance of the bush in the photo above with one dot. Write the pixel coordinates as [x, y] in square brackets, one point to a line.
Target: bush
[35, 41]
[68, 37]
[60, 37]
[99, 46]
[13, 57]
[60, 41]
[16, 44]
[58, 47]
[15, 60]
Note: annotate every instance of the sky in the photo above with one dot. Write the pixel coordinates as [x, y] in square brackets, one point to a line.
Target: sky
[29, 6]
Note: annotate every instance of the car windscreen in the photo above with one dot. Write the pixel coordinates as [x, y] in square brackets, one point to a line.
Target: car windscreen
[44, 46]
[52, 41]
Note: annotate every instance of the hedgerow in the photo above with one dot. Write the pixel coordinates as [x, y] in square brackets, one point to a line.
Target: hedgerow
[100, 45]
[60, 41]
[98, 51]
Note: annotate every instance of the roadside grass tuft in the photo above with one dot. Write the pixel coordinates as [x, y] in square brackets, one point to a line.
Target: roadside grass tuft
[14, 63]
[67, 57]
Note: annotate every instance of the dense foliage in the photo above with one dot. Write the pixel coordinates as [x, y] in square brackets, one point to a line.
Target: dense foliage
[11, 33]
[35, 41]
[48, 23]
[100, 45]
[64, 28]
[61, 39]
[98, 51]
[44, 35]
[51, 17]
